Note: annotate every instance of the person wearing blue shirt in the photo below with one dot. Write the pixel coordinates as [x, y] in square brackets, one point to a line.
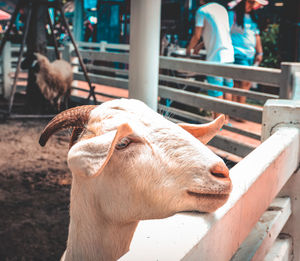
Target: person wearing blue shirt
[245, 36]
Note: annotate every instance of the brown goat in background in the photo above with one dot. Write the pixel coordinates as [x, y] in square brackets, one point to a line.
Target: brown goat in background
[54, 79]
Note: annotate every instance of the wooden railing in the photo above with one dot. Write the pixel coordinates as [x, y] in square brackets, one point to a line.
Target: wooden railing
[178, 85]
[259, 222]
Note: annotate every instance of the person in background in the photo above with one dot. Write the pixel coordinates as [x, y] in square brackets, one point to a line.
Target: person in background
[245, 36]
[212, 23]
[88, 32]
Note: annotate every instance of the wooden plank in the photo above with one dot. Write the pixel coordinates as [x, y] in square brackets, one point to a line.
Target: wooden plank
[256, 181]
[104, 56]
[296, 86]
[104, 80]
[7, 68]
[195, 117]
[96, 92]
[248, 112]
[124, 47]
[227, 144]
[260, 75]
[238, 72]
[263, 235]
[281, 250]
[123, 72]
[286, 83]
[292, 227]
[83, 101]
[230, 145]
[206, 86]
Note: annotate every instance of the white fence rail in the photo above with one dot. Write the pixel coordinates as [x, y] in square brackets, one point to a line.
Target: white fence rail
[178, 84]
[248, 226]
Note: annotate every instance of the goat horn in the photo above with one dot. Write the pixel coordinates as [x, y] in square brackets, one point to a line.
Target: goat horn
[75, 117]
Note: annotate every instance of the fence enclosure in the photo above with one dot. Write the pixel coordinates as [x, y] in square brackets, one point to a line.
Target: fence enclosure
[256, 223]
[259, 221]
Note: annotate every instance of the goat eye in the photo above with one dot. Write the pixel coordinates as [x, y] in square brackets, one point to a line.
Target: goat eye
[123, 143]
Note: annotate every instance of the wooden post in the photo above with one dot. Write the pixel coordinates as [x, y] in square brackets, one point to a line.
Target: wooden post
[144, 51]
[103, 45]
[296, 86]
[280, 113]
[6, 70]
[286, 82]
[292, 227]
[66, 54]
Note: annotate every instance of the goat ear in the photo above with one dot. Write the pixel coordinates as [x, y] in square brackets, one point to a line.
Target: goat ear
[89, 157]
[204, 132]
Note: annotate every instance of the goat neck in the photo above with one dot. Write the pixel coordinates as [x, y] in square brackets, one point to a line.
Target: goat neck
[91, 235]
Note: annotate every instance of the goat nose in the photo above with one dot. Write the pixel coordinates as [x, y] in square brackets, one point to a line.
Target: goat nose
[220, 170]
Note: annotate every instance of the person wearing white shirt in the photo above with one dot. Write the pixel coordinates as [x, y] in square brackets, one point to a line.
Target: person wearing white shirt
[211, 22]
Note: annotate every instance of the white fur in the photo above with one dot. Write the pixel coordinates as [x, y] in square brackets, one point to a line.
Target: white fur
[146, 180]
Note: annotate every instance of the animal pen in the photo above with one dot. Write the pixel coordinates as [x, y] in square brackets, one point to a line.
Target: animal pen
[259, 221]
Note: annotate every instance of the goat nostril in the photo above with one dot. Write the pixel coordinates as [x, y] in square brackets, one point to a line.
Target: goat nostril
[220, 170]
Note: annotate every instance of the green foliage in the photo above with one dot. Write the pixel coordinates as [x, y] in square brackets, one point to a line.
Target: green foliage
[270, 43]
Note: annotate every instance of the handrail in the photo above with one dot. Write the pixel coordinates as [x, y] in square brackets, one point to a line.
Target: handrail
[184, 90]
[246, 73]
[248, 112]
[208, 86]
[256, 74]
[124, 47]
[217, 236]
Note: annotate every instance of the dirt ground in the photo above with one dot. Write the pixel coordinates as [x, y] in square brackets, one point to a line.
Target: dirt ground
[34, 192]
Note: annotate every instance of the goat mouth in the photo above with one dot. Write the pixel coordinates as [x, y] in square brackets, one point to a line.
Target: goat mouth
[207, 195]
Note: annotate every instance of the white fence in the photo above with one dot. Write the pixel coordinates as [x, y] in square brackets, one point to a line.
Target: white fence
[260, 221]
[178, 85]
[108, 66]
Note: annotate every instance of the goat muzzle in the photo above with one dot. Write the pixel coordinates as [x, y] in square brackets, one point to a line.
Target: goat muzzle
[75, 117]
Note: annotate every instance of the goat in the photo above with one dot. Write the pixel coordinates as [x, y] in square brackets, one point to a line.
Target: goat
[54, 79]
[128, 164]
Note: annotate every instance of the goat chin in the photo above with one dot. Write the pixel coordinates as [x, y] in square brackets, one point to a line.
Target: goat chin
[128, 164]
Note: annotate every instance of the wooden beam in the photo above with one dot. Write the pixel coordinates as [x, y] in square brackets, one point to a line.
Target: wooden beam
[263, 235]
[248, 112]
[256, 181]
[238, 72]
[281, 250]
